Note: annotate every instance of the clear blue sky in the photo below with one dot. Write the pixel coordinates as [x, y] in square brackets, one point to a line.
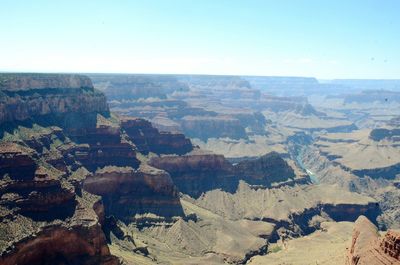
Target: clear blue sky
[325, 39]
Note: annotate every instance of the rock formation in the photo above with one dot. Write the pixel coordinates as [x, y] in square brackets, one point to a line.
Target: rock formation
[265, 170]
[24, 96]
[127, 192]
[391, 244]
[197, 172]
[59, 145]
[368, 248]
[149, 139]
[71, 171]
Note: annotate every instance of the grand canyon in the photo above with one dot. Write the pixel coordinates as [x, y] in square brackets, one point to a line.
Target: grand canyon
[198, 169]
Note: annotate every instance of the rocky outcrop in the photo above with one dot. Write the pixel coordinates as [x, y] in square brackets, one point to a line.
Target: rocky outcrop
[54, 158]
[55, 129]
[102, 145]
[127, 192]
[367, 247]
[42, 212]
[200, 171]
[16, 161]
[53, 246]
[32, 189]
[197, 172]
[23, 96]
[56, 162]
[265, 170]
[390, 244]
[149, 139]
[77, 239]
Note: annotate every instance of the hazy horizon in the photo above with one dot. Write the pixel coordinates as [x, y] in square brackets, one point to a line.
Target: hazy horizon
[321, 39]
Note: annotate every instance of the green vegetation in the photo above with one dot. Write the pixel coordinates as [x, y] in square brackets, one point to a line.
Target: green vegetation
[274, 249]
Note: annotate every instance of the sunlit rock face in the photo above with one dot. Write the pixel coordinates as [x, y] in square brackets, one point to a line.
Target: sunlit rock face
[67, 164]
[367, 247]
[24, 96]
[149, 139]
[265, 169]
[390, 244]
[43, 208]
[198, 172]
[127, 192]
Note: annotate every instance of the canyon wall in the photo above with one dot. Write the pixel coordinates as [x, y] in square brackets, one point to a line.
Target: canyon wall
[23, 96]
[367, 247]
[67, 164]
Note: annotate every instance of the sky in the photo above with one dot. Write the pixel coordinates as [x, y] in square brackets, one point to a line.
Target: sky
[324, 39]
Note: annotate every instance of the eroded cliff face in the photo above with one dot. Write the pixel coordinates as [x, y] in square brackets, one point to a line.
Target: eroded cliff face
[390, 244]
[367, 247]
[265, 170]
[24, 96]
[199, 171]
[149, 139]
[75, 239]
[42, 212]
[127, 192]
[59, 145]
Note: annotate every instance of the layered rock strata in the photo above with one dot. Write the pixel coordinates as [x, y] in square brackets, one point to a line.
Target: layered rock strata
[149, 139]
[199, 171]
[127, 192]
[367, 247]
[24, 96]
[59, 145]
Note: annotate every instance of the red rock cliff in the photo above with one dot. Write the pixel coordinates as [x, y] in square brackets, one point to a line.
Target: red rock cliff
[367, 248]
[23, 96]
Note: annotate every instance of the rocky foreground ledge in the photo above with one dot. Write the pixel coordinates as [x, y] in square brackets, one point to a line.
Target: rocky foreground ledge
[368, 247]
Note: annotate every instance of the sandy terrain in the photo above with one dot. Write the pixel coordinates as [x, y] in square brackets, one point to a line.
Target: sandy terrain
[327, 247]
[356, 150]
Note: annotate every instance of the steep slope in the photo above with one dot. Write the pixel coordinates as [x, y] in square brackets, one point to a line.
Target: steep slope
[58, 143]
[42, 205]
[368, 248]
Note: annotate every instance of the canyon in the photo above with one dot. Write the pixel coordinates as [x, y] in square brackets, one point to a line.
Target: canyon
[186, 169]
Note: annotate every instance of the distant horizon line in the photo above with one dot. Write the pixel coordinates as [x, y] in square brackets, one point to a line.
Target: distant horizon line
[194, 74]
